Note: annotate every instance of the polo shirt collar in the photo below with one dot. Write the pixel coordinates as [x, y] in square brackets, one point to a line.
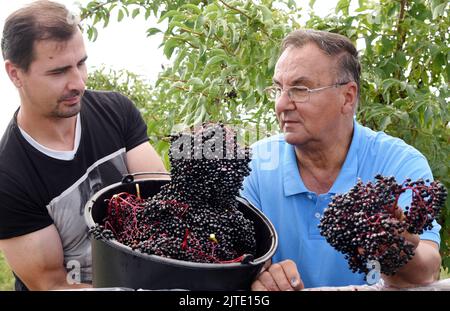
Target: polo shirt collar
[347, 178]
[292, 182]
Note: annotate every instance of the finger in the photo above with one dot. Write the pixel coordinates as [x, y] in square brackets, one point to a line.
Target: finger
[411, 238]
[290, 278]
[398, 213]
[258, 286]
[292, 274]
[268, 281]
[279, 276]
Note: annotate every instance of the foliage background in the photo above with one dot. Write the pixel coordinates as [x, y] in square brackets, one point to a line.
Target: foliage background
[223, 55]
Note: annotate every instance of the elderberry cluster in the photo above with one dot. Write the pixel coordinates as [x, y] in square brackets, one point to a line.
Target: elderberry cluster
[366, 222]
[194, 217]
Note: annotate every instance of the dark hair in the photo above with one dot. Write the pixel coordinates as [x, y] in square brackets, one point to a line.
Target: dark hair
[332, 44]
[40, 20]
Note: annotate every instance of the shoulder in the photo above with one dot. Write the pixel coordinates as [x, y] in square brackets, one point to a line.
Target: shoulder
[12, 152]
[381, 153]
[105, 98]
[385, 145]
[107, 106]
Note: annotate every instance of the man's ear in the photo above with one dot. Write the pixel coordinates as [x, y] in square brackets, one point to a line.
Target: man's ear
[350, 92]
[14, 73]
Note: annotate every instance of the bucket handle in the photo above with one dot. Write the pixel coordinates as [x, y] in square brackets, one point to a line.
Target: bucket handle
[129, 178]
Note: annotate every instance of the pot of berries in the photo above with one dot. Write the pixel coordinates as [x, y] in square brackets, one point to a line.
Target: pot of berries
[190, 231]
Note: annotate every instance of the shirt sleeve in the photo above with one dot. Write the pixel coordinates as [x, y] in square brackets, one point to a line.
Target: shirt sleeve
[133, 125]
[19, 214]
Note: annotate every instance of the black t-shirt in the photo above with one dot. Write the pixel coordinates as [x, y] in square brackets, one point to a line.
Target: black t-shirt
[37, 190]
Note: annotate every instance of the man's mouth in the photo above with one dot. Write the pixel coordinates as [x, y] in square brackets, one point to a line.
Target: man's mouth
[71, 100]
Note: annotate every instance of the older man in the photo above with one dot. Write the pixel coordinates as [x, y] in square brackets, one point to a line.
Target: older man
[323, 151]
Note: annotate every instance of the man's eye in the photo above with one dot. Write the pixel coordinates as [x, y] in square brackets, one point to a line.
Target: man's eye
[57, 72]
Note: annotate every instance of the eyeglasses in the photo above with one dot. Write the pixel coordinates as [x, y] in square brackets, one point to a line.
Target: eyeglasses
[298, 94]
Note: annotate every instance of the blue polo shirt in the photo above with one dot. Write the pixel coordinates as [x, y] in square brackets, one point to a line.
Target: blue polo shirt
[276, 188]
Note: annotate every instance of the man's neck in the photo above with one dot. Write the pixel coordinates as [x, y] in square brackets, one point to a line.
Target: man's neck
[53, 133]
[320, 163]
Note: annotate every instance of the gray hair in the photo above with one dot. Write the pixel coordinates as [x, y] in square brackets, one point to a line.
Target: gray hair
[332, 44]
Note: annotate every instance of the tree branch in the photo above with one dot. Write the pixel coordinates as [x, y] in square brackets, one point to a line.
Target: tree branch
[400, 29]
[90, 12]
[235, 9]
[401, 32]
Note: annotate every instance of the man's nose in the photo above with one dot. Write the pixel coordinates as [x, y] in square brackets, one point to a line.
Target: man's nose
[77, 80]
[284, 102]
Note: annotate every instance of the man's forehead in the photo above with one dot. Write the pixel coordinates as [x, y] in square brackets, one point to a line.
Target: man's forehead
[303, 63]
[308, 53]
[53, 49]
[49, 46]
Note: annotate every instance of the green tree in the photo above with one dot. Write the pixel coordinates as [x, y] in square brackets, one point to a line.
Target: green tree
[223, 55]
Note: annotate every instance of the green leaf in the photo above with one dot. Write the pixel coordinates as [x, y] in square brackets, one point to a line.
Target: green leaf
[447, 70]
[411, 91]
[168, 15]
[169, 46]
[152, 31]
[266, 13]
[121, 16]
[92, 33]
[191, 7]
[196, 82]
[214, 60]
[385, 122]
[260, 83]
[135, 12]
[199, 23]
[106, 21]
[403, 115]
[400, 58]
[218, 52]
[428, 114]
[342, 5]
[201, 111]
[148, 12]
[388, 83]
[439, 10]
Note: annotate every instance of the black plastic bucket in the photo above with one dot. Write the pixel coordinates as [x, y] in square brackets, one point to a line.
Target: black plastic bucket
[117, 265]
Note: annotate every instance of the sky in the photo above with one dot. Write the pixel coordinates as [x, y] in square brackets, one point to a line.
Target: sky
[121, 45]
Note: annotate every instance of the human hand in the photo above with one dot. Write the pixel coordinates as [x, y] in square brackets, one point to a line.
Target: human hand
[413, 239]
[281, 276]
